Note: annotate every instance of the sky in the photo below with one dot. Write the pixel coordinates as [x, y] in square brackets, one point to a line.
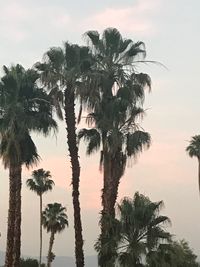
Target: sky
[170, 30]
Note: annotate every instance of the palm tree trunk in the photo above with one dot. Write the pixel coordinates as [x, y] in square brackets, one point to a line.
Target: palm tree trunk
[70, 120]
[40, 257]
[107, 190]
[49, 257]
[113, 170]
[199, 173]
[17, 234]
[118, 163]
[105, 257]
[11, 217]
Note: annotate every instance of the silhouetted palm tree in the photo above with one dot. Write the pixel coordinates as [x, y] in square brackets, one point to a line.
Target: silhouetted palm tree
[114, 96]
[139, 229]
[174, 254]
[54, 220]
[24, 108]
[61, 73]
[40, 183]
[193, 150]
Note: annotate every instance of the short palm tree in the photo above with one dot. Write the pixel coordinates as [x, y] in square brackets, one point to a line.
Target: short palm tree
[54, 220]
[24, 108]
[173, 254]
[138, 229]
[193, 150]
[40, 183]
[61, 73]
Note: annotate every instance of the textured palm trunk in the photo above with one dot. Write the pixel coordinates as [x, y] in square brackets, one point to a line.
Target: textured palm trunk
[107, 191]
[40, 257]
[17, 234]
[70, 120]
[105, 256]
[113, 171]
[199, 173]
[118, 163]
[49, 257]
[11, 217]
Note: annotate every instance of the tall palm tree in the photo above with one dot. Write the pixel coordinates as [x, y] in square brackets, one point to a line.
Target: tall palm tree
[54, 220]
[61, 73]
[138, 229]
[114, 97]
[40, 183]
[193, 150]
[24, 108]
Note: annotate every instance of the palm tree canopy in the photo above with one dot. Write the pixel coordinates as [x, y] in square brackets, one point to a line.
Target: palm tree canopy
[140, 219]
[40, 182]
[114, 67]
[114, 95]
[24, 107]
[138, 228]
[175, 254]
[64, 68]
[194, 147]
[54, 218]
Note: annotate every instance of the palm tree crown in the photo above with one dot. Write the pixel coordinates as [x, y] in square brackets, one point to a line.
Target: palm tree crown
[24, 108]
[54, 218]
[194, 147]
[142, 227]
[137, 229]
[193, 150]
[40, 182]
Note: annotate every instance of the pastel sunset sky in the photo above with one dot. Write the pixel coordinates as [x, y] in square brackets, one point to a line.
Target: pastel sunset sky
[170, 30]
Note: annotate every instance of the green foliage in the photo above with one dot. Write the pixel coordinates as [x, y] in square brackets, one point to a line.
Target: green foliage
[174, 254]
[29, 262]
[24, 108]
[54, 218]
[114, 95]
[138, 229]
[40, 182]
[63, 69]
[194, 147]
[193, 150]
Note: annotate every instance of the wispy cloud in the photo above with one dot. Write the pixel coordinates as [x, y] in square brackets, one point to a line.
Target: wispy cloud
[137, 18]
[20, 21]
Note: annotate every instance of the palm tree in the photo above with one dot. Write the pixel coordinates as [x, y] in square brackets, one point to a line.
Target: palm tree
[24, 108]
[142, 228]
[40, 183]
[61, 73]
[193, 150]
[54, 220]
[114, 97]
[138, 229]
[174, 254]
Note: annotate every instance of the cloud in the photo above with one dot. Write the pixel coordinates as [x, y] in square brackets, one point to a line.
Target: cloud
[137, 18]
[20, 20]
